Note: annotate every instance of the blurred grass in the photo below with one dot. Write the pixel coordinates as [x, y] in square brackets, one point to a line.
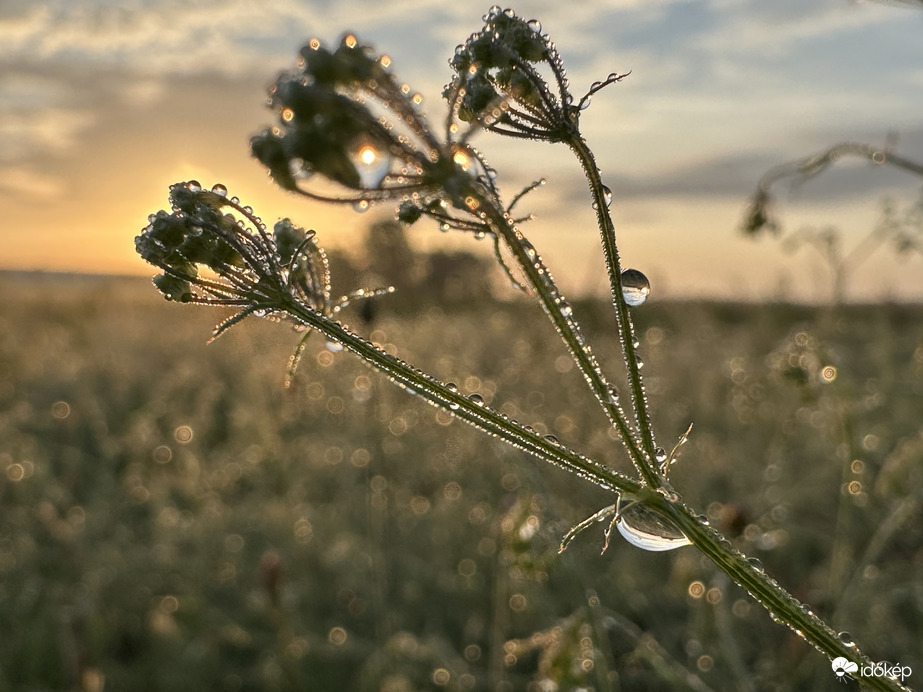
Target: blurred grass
[172, 518]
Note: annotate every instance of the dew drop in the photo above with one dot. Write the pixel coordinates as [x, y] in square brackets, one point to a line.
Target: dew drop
[755, 563]
[635, 287]
[645, 529]
[535, 25]
[660, 455]
[219, 189]
[846, 639]
[361, 205]
[476, 399]
[194, 185]
[607, 196]
[552, 439]
[372, 164]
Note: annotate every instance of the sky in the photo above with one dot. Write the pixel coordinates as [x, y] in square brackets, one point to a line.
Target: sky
[104, 104]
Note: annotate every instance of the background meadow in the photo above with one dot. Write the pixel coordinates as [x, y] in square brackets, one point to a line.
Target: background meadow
[172, 518]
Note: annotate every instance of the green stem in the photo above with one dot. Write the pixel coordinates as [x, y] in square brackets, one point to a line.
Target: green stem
[767, 591]
[474, 412]
[782, 606]
[558, 311]
[646, 464]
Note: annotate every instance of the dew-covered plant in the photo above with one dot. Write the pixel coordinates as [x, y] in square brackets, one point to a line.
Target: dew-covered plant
[349, 132]
[902, 229]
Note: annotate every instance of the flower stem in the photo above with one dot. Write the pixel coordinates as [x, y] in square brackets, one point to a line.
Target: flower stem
[646, 464]
[782, 606]
[474, 412]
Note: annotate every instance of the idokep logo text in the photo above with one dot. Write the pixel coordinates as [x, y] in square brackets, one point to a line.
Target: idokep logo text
[842, 668]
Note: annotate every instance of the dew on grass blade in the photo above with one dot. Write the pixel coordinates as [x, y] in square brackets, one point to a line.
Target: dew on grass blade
[645, 529]
[219, 189]
[635, 287]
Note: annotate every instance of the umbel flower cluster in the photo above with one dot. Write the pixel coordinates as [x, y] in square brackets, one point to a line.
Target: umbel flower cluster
[214, 251]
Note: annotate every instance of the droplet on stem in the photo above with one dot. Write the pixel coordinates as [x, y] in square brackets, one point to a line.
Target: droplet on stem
[635, 287]
[220, 189]
[645, 529]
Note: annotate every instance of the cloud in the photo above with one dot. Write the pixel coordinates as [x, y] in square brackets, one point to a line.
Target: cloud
[28, 184]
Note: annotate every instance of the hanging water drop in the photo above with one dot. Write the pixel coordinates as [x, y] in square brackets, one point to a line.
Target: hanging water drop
[635, 287]
[219, 189]
[334, 346]
[372, 164]
[846, 639]
[645, 529]
[361, 205]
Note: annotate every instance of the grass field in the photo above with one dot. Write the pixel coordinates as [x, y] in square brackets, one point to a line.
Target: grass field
[171, 518]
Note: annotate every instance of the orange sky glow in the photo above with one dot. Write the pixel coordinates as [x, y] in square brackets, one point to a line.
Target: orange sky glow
[102, 108]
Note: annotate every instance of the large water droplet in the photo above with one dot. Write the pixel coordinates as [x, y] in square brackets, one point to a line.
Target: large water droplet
[194, 185]
[371, 162]
[846, 639]
[635, 287]
[645, 529]
[607, 196]
[219, 189]
[535, 25]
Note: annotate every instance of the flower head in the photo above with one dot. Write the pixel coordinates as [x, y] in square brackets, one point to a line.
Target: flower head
[348, 131]
[214, 251]
[500, 85]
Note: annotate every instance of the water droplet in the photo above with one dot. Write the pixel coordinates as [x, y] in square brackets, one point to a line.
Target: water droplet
[645, 529]
[635, 287]
[846, 639]
[299, 168]
[476, 399]
[660, 455]
[754, 562]
[552, 439]
[219, 189]
[361, 205]
[607, 196]
[535, 25]
[194, 185]
[371, 162]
